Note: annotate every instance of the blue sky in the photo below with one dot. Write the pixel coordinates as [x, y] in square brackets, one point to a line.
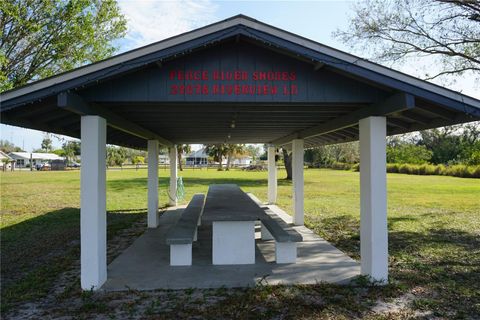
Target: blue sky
[150, 21]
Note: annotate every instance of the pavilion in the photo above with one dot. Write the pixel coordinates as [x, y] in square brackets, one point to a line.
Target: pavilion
[235, 81]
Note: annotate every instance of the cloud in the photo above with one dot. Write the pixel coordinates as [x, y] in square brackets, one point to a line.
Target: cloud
[150, 21]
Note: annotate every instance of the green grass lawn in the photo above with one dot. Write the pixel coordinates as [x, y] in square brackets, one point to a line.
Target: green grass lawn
[434, 227]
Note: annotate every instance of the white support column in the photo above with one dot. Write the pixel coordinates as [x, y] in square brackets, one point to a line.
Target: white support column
[373, 198]
[152, 184]
[297, 177]
[173, 175]
[93, 219]
[272, 176]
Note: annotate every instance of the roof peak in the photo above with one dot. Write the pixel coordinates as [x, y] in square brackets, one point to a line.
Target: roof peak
[139, 57]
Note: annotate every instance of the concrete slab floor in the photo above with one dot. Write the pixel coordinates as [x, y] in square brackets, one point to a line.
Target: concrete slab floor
[145, 264]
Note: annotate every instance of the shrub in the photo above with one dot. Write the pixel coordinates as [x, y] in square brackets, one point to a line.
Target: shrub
[462, 171]
[440, 169]
[431, 169]
[459, 170]
[393, 167]
[405, 168]
[341, 166]
[422, 170]
[476, 172]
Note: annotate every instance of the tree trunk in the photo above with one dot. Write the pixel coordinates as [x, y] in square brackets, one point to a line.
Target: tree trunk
[180, 167]
[229, 159]
[219, 156]
[287, 159]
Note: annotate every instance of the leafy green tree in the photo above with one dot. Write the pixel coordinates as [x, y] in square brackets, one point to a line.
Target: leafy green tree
[218, 152]
[132, 154]
[7, 146]
[408, 153]
[47, 143]
[45, 37]
[401, 30]
[474, 157]
[454, 144]
[116, 156]
[470, 144]
[254, 151]
[138, 160]
[326, 155]
[71, 149]
[444, 145]
[232, 151]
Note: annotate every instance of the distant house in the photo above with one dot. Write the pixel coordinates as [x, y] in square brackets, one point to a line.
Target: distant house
[197, 158]
[242, 161]
[6, 162]
[163, 159]
[22, 159]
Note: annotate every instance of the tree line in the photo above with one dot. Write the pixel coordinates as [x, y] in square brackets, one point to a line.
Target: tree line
[451, 145]
[451, 151]
[118, 156]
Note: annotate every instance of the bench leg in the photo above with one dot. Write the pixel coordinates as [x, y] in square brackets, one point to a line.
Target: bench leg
[195, 236]
[181, 254]
[285, 252]
[233, 242]
[266, 235]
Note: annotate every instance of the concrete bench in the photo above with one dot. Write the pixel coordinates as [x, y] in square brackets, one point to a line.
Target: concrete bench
[286, 238]
[181, 236]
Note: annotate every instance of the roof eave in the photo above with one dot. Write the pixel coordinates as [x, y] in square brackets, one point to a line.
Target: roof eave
[239, 20]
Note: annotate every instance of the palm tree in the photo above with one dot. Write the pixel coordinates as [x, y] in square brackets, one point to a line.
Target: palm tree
[47, 143]
[182, 148]
[217, 151]
[232, 151]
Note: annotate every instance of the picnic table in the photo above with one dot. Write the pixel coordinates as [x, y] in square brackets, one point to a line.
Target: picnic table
[233, 215]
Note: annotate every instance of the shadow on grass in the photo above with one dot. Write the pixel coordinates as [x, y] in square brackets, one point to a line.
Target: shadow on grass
[443, 262]
[321, 301]
[36, 251]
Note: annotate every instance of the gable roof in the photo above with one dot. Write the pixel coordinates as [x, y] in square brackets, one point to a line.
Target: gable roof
[35, 155]
[3, 155]
[200, 153]
[239, 21]
[448, 106]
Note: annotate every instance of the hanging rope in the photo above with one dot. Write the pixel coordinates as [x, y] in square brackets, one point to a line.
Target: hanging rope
[180, 195]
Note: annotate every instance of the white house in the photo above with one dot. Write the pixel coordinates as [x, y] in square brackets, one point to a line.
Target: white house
[242, 161]
[22, 159]
[200, 158]
[163, 159]
[197, 158]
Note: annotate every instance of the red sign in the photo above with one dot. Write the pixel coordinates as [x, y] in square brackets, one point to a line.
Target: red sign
[232, 82]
